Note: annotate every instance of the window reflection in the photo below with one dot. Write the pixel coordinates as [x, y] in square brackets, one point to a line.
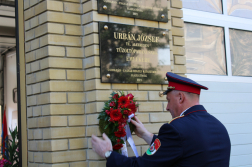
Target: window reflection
[240, 8]
[213, 6]
[241, 52]
[205, 52]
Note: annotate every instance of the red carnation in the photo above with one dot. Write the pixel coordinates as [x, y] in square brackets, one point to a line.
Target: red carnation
[130, 96]
[115, 114]
[117, 146]
[130, 112]
[123, 102]
[124, 124]
[125, 112]
[132, 107]
[111, 120]
[112, 104]
[115, 96]
[120, 133]
[123, 120]
[120, 127]
[107, 112]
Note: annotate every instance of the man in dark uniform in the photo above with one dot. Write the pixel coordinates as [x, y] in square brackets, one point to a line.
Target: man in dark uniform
[192, 138]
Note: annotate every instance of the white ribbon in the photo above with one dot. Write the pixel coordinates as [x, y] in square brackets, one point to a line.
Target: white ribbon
[129, 139]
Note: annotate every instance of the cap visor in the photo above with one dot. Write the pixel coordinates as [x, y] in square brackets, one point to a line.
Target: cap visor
[168, 90]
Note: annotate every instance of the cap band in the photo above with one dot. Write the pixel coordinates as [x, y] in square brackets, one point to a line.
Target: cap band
[185, 88]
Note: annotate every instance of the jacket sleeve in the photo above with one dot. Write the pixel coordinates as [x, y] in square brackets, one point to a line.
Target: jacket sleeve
[165, 150]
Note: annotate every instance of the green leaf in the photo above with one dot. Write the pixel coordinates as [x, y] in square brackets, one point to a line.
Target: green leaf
[106, 126]
[12, 148]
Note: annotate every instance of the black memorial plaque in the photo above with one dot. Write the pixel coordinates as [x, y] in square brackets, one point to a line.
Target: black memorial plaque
[142, 9]
[133, 54]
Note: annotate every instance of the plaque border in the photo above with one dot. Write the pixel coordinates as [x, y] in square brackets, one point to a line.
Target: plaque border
[166, 20]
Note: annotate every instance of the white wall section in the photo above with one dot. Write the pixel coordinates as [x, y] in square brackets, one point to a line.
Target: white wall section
[231, 103]
[10, 82]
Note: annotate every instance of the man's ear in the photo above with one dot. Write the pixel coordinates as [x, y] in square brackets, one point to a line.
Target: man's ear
[181, 97]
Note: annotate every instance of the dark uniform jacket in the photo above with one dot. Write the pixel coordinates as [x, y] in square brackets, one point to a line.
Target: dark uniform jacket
[196, 139]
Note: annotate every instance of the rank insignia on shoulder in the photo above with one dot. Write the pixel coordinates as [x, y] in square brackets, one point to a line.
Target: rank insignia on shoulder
[175, 118]
[154, 147]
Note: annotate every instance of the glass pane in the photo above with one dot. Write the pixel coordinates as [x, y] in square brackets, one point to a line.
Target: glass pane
[205, 49]
[213, 6]
[241, 52]
[240, 8]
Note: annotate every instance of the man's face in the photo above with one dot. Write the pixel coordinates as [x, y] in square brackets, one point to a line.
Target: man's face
[172, 105]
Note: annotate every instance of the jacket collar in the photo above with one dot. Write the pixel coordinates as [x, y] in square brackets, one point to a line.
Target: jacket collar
[193, 109]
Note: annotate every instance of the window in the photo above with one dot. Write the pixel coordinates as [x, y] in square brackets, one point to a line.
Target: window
[205, 50]
[240, 8]
[213, 6]
[241, 52]
[219, 44]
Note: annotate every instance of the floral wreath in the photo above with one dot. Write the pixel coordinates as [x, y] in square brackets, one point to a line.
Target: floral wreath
[114, 117]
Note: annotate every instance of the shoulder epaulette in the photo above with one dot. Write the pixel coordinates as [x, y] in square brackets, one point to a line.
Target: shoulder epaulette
[175, 118]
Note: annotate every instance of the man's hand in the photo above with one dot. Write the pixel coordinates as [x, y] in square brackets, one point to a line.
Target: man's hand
[101, 146]
[141, 131]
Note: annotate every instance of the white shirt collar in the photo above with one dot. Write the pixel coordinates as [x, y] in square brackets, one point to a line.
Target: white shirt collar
[184, 111]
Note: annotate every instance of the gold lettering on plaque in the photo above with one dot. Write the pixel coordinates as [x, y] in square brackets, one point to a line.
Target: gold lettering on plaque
[129, 36]
[137, 59]
[115, 70]
[138, 75]
[131, 50]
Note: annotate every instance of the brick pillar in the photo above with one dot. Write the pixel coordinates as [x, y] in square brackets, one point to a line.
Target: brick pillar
[64, 91]
[55, 77]
[178, 40]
